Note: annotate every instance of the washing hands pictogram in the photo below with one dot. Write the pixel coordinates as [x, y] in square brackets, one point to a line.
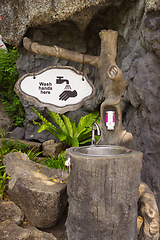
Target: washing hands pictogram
[67, 93]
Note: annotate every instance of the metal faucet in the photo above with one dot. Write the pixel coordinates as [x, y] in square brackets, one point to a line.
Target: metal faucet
[93, 132]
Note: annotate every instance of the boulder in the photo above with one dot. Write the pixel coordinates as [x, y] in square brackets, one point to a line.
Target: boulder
[50, 148]
[43, 201]
[8, 210]
[17, 133]
[11, 231]
[34, 13]
[33, 145]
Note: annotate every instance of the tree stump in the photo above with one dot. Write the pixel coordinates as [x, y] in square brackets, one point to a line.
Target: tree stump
[103, 195]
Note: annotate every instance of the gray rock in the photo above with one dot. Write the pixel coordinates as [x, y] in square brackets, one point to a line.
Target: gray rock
[11, 231]
[42, 201]
[17, 133]
[50, 148]
[8, 210]
[31, 130]
[33, 14]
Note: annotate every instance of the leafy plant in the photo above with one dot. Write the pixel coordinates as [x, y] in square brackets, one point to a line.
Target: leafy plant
[2, 133]
[54, 163]
[32, 155]
[8, 78]
[68, 132]
[3, 180]
[9, 145]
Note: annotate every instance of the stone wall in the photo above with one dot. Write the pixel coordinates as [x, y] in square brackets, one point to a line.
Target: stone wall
[139, 52]
[138, 26]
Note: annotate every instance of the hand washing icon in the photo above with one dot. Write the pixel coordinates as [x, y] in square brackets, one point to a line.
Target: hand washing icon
[65, 95]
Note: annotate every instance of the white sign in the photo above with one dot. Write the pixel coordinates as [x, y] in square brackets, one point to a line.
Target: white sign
[2, 45]
[60, 89]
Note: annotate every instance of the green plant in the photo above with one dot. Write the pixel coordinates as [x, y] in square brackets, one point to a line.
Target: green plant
[68, 132]
[8, 78]
[2, 133]
[33, 155]
[54, 163]
[9, 145]
[3, 180]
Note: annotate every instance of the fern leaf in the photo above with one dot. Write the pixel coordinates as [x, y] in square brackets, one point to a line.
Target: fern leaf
[86, 121]
[58, 120]
[69, 125]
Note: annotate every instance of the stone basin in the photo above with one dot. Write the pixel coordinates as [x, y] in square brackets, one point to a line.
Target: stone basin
[101, 150]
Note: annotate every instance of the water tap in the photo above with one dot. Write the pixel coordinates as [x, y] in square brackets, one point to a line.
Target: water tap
[93, 132]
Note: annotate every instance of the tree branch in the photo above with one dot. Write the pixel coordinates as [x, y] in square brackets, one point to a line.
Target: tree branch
[60, 53]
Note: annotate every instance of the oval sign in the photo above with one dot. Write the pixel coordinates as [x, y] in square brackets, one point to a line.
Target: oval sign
[60, 89]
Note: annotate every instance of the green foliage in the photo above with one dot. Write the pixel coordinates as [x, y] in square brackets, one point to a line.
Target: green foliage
[2, 133]
[68, 132]
[3, 177]
[8, 78]
[3, 180]
[9, 145]
[54, 163]
[33, 155]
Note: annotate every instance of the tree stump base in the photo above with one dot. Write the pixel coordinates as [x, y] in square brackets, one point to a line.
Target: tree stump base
[103, 195]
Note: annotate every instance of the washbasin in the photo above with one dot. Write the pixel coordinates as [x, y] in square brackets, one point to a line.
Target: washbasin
[101, 150]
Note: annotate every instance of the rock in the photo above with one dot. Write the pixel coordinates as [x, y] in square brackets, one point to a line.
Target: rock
[5, 121]
[17, 133]
[32, 14]
[8, 210]
[31, 130]
[148, 210]
[42, 201]
[11, 231]
[33, 145]
[51, 148]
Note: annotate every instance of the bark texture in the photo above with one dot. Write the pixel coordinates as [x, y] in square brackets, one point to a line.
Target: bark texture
[103, 196]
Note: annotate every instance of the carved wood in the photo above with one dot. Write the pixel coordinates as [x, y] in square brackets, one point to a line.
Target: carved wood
[60, 53]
